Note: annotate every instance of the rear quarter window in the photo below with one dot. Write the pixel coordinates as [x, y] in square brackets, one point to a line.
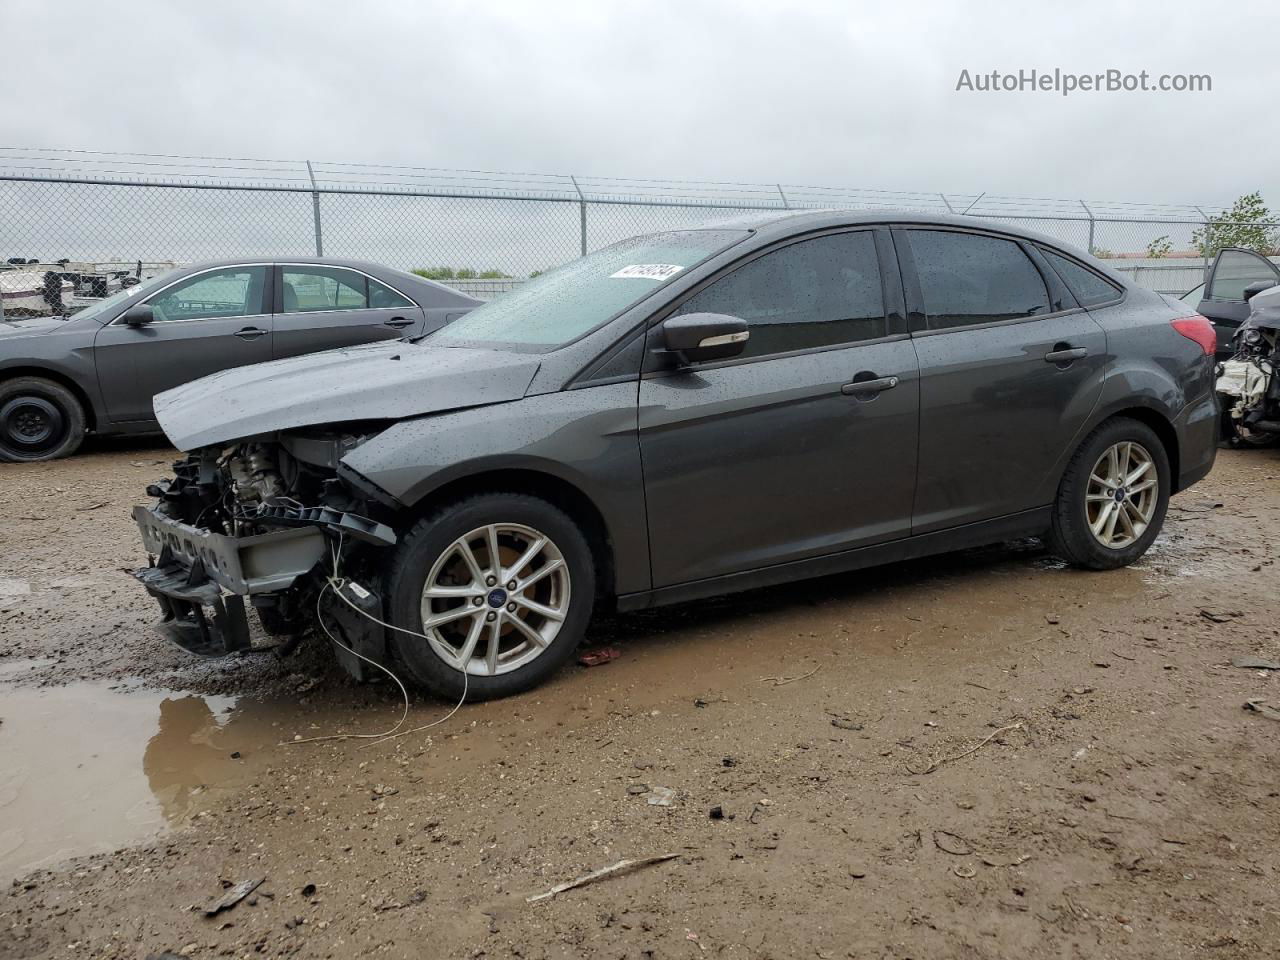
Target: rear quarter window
[1087, 287]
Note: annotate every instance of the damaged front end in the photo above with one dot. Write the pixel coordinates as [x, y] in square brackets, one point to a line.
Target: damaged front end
[269, 520]
[1248, 386]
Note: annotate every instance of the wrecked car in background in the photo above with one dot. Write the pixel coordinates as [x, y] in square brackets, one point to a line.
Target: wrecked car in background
[1248, 388]
[677, 416]
[97, 370]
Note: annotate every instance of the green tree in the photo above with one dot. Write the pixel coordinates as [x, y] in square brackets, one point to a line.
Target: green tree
[435, 273]
[1247, 224]
[460, 273]
[1159, 247]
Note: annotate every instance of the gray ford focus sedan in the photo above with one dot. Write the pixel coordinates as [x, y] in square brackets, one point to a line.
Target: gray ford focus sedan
[676, 416]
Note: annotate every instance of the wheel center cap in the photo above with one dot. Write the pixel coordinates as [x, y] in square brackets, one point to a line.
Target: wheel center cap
[497, 597]
[1120, 495]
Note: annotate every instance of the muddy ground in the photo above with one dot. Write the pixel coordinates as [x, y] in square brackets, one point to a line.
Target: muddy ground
[983, 755]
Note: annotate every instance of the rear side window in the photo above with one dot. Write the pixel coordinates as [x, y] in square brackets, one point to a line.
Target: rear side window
[1088, 288]
[967, 279]
[309, 289]
[382, 296]
[816, 293]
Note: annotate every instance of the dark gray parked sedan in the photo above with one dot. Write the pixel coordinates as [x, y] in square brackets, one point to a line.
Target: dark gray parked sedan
[679, 415]
[97, 370]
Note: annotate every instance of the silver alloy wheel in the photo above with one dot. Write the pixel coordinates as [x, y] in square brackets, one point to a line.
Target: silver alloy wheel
[1124, 488]
[495, 599]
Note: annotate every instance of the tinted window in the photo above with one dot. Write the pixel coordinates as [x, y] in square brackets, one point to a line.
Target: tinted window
[1235, 270]
[814, 293]
[233, 292]
[1087, 286]
[322, 288]
[966, 278]
[380, 295]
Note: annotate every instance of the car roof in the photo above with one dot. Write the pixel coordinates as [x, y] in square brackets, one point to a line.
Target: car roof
[323, 261]
[780, 224]
[393, 275]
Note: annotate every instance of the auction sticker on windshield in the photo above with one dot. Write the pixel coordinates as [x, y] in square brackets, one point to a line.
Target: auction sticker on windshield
[648, 271]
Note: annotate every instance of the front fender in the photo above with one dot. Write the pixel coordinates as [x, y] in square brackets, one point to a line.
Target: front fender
[586, 438]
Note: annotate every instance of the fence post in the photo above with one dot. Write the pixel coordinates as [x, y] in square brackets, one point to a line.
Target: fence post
[582, 214]
[315, 209]
[1089, 214]
[785, 204]
[1204, 249]
[975, 202]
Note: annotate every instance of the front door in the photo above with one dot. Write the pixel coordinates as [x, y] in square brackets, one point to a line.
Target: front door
[779, 454]
[1009, 374]
[204, 323]
[322, 307]
[1224, 302]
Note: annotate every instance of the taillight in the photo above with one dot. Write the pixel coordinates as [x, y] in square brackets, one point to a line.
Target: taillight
[1200, 330]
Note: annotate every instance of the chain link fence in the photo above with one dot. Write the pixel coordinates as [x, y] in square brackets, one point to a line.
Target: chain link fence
[480, 231]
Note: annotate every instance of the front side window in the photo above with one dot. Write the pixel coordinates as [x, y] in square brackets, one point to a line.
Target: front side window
[230, 292]
[308, 289]
[815, 293]
[967, 278]
[560, 306]
[1088, 288]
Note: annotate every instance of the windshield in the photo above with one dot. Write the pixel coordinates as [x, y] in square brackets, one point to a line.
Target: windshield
[559, 307]
[103, 306]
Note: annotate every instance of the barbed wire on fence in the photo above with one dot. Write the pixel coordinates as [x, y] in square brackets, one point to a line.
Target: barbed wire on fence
[89, 205]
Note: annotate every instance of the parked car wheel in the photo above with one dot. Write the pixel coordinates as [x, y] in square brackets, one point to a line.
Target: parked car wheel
[1113, 497]
[39, 420]
[499, 585]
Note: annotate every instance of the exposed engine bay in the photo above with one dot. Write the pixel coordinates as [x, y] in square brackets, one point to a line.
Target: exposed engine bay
[1248, 388]
[268, 519]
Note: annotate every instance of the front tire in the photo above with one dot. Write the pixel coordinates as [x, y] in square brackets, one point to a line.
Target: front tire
[500, 585]
[1113, 497]
[39, 420]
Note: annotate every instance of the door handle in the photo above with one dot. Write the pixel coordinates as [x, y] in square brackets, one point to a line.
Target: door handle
[251, 333]
[857, 388]
[398, 323]
[1062, 353]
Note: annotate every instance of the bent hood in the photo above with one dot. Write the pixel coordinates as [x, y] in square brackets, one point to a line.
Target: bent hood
[380, 381]
[1264, 310]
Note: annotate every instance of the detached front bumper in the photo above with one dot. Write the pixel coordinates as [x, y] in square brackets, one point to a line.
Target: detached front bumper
[200, 578]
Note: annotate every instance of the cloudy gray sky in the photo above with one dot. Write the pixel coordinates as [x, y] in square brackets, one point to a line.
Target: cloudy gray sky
[839, 93]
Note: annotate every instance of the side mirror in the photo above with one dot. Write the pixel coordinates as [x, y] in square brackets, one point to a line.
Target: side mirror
[698, 337]
[1257, 287]
[139, 315]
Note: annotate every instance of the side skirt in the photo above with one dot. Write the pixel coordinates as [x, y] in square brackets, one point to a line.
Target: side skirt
[1028, 523]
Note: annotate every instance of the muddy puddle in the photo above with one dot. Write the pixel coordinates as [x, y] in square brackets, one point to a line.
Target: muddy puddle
[88, 768]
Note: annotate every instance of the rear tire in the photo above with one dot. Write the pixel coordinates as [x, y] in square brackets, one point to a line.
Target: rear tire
[1106, 515]
[511, 639]
[39, 420]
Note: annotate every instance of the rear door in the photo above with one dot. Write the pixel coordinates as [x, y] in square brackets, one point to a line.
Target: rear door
[779, 454]
[319, 307]
[1010, 369]
[1233, 269]
[203, 323]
